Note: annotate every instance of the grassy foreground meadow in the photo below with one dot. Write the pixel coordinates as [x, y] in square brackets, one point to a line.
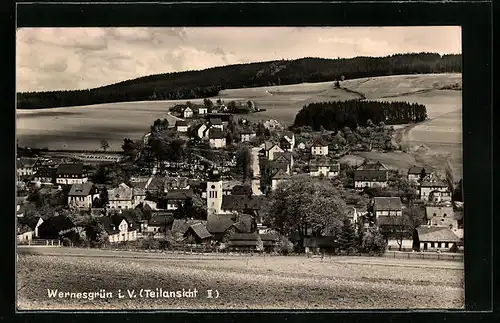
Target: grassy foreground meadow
[243, 282]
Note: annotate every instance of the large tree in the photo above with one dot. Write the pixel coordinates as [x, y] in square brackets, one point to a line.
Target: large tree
[306, 206]
[347, 238]
[244, 160]
[403, 227]
[104, 144]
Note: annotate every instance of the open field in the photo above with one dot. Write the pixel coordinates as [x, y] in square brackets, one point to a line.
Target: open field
[255, 282]
[438, 139]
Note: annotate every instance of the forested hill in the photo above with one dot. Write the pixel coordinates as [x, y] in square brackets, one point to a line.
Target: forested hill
[207, 83]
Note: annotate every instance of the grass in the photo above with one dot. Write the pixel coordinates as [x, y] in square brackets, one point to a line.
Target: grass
[255, 282]
[84, 127]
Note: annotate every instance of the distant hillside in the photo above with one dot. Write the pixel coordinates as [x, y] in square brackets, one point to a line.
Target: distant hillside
[208, 83]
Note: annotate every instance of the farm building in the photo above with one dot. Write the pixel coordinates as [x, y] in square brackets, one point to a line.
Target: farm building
[197, 233]
[175, 183]
[187, 112]
[46, 175]
[119, 228]
[371, 175]
[290, 137]
[224, 117]
[433, 238]
[270, 148]
[441, 216]
[174, 198]
[25, 166]
[27, 228]
[222, 225]
[326, 244]
[121, 197]
[160, 222]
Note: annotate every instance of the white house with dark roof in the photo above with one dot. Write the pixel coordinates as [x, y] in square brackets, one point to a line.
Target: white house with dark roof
[279, 177]
[371, 175]
[201, 131]
[187, 112]
[119, 228]
[270, 149]
[323, 167]
[415, 172]
[217, 138]
[433, 184]
[25, 166]
[82, 195]
[247, 135]
[177, 197]
[319, 148]
[122, 197]
[216, 123]
[436, 238]
[290, 137]
[69, 174]
[202, 110]
[387, 206]
[442, 216]
[181, 126]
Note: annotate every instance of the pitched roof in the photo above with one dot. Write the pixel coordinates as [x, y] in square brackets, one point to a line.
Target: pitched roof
[161, 220]
[436, 234]
[200, 230]
[136, 191]
[280, 174]
[268, 145]
[179, 226]
[244, 236]
[372, 166]
[179, 194]
[120, 193]
[216, 133]
[324, 162]
[319, 142]
[286, 154]
[25, 162]
[390, 220]
[176, 182]
[181, 123]
[219, 223]
[432, 180]
[439, 211]
[288, 134]
[70, 169]
[371, 175]
[416, 170]
[30, 222]
[108, 225]
[229, 185]
[46, 172]
[216, 121]
[241, 203]
[157, 183]
[269, 237]
[387, 204]
[242, 190]
[81, 189]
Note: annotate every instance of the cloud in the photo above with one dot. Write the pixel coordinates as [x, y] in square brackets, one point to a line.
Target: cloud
[79, 58]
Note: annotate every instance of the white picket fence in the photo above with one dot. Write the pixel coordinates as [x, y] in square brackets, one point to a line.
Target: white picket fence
[41, 243]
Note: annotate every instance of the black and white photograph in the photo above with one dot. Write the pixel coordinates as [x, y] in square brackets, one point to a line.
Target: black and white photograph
[167, 168]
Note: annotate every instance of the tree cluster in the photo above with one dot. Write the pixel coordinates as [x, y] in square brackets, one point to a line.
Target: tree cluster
[353, 113]
[208, 83]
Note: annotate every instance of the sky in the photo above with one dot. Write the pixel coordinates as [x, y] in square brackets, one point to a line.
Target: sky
[50, 59]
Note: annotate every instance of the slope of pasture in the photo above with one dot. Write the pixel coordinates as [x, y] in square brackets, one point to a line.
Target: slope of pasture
[243, 282]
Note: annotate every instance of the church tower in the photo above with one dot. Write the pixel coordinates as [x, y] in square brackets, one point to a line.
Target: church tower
[214, 193]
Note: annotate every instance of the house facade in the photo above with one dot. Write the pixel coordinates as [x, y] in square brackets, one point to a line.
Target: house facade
[202, 110]
[433, 184]
[175, 198]
[181, 126]
[387, 206]
[319, 148]
[25, 166]
[46, 175]
[187, 113]
[443, 216]
[217, 138]
[436, 238]
[82, 195]
[121, 197]
[119, 229]
[371, 175]
[69, 174]
[201, 131]
[280, 177]
[321, 167]
[247, 135]
[415, 172]
[271, 149]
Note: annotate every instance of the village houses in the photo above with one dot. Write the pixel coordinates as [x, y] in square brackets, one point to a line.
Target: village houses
[69, 174]
[119, 228]
[319, 147]
[201, 110]
[416, 172]
[27, 228]
[82, 195]
[279, 177]
[217, 138]
[387, 207]
[25, 166]
[371, 175]
[201, 131]
[323, 167]
[247, 135]
[125, 197]
[187, 112]
[434, 238]
[290, 137]
[270, 148]
[433, 184]
[181, 126]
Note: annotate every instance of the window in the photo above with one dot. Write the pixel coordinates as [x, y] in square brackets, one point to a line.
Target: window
[439, 244]
[434, 214]
[444, 216]
[446, 244]
[432, 244]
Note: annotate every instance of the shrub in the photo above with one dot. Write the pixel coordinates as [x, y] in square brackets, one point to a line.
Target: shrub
[284, 246]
